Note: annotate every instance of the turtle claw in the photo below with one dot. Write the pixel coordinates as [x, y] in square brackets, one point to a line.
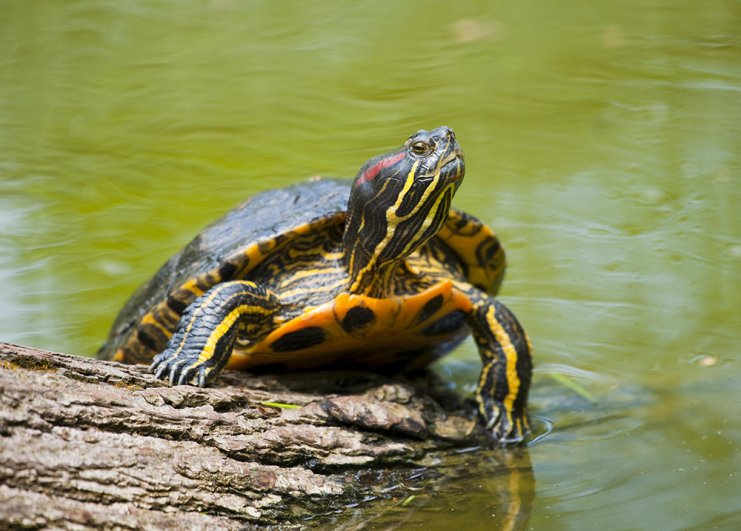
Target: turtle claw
[183, 369]
[159, 369]
[202, 377]
[175, 369]
[173, 375]
[509, 429]
[493, 421]
[505, 427]
[187, 375]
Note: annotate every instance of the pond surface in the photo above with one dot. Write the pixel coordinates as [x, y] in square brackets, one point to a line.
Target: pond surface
[603, 143]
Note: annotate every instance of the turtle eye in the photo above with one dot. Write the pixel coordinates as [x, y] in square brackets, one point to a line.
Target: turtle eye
[421, 148]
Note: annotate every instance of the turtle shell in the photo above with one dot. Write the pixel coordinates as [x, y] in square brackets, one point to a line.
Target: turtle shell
[232, 246]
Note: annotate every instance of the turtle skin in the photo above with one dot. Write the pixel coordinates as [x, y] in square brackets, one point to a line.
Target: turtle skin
[272, 285]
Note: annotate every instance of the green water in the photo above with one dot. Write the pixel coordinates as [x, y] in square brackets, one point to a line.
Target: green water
[603, 142]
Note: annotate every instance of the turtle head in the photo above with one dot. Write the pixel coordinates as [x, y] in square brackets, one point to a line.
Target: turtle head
[398, 201]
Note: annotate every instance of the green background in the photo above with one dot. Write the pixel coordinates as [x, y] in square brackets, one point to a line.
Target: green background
[603, 143]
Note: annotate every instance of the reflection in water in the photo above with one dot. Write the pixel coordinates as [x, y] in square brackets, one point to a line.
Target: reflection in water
[497, 485]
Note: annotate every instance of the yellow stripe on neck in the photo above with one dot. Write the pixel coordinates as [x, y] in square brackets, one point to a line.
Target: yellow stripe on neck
[392, 220]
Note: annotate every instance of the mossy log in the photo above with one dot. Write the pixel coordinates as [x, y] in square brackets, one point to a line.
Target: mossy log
[89, 443]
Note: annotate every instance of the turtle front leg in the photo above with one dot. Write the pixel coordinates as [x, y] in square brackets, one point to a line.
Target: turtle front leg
[507, 368]
[207, 331]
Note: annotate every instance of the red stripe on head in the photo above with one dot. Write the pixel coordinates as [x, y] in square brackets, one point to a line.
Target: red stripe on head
[373, 171]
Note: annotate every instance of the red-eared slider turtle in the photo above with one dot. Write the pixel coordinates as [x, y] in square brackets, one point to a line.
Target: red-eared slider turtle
[379, 272]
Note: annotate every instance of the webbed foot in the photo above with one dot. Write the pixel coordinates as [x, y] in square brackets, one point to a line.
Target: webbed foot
[205, 336]
[506, 426]
[181, 368]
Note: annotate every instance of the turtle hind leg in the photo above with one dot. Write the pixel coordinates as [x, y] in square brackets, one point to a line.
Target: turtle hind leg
[507, 369]
[205, 336]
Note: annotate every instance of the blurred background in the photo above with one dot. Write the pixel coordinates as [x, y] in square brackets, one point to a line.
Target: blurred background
[603, 143]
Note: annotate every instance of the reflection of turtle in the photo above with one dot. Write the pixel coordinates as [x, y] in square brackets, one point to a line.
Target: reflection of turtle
[378, 274]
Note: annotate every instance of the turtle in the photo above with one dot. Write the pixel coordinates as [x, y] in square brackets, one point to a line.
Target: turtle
[378, 272]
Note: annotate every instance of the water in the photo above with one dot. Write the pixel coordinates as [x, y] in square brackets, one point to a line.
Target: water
[602, 141]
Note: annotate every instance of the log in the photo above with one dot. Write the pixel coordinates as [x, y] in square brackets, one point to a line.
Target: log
[91, 443]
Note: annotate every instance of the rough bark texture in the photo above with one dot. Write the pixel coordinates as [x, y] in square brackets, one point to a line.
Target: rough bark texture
[85, 443]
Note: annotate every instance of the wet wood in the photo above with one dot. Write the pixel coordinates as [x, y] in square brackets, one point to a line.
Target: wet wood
[90, 443]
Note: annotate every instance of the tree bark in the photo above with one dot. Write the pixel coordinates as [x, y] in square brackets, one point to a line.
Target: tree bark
[85, 442]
